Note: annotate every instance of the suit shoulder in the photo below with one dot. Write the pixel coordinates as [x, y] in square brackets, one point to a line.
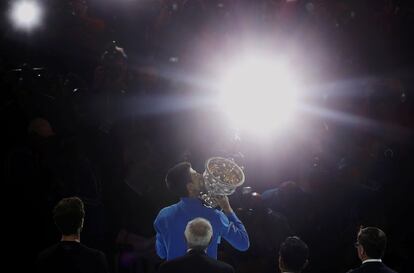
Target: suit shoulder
[47, 252]
[389, 270]
[181, 263]
[219, 265]
[225, 266]
[93, 251]
[175, 261]
[168, 266]
[355, 270]
[372, 267]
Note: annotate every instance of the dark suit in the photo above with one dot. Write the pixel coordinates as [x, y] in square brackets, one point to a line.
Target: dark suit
[195, 261]
[71, 257]
[372, 267]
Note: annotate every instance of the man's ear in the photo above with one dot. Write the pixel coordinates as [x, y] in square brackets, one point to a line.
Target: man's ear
[305, 264]
[81, 226]
[281, 265]
[361, 252]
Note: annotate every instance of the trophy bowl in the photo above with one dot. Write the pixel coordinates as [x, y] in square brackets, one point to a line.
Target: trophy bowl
[221, 177]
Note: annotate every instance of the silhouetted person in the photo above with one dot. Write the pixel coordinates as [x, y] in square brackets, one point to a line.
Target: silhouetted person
[69, 255]
[371, 244]
[47, 168]
[198, 235]
[293, 255]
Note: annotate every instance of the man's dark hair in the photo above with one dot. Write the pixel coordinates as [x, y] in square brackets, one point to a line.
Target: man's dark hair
[294, 254]
[68, 215]
[178, 177]
[374, 242]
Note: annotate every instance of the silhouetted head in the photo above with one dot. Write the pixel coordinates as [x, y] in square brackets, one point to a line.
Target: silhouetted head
[293, 255]
[183, 180]
[371, 243]
[68, 215]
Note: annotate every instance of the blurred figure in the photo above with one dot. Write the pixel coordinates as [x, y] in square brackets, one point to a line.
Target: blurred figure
[47, 168]
[69, 255]
[293, 255]
[77, 35]
[198, 235]
[290, 200]
[173, 29]
[370, 245]
[111, 84]
[62, 162]
[111, 75]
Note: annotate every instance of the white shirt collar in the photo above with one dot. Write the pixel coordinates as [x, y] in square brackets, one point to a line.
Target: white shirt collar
[191, 249]
[372, 260]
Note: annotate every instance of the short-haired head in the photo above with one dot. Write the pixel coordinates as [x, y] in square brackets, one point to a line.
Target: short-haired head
[293, 255]
[198, 233]
[68, 215]
[178, 177]
[374, 241]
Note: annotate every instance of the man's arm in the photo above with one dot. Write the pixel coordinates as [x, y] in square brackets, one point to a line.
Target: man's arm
[159, 240]
[233, 229]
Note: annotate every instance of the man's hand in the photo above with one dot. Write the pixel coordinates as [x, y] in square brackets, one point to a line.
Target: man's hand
[223, 202]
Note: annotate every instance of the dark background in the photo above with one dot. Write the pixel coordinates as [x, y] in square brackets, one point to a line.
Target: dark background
[350, 159]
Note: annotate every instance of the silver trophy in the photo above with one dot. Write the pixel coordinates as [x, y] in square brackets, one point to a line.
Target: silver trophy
[221, 177]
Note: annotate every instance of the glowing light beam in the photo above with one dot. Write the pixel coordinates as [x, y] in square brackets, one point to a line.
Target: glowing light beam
[259, 95]
[26, 14]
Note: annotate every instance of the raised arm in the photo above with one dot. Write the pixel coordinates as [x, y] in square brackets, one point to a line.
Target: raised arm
[233, 229]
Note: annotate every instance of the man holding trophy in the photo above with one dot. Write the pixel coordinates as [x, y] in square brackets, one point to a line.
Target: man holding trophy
[199, 195]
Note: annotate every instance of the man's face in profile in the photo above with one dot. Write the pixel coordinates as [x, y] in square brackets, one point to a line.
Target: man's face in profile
[197, 181]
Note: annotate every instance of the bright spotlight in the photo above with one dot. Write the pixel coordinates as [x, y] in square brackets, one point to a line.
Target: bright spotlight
[259, 95]
[26, 14]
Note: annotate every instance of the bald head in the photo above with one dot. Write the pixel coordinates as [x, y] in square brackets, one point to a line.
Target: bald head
[198, 233]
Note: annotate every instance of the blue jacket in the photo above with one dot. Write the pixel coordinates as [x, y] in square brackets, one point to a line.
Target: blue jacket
[171, 222]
